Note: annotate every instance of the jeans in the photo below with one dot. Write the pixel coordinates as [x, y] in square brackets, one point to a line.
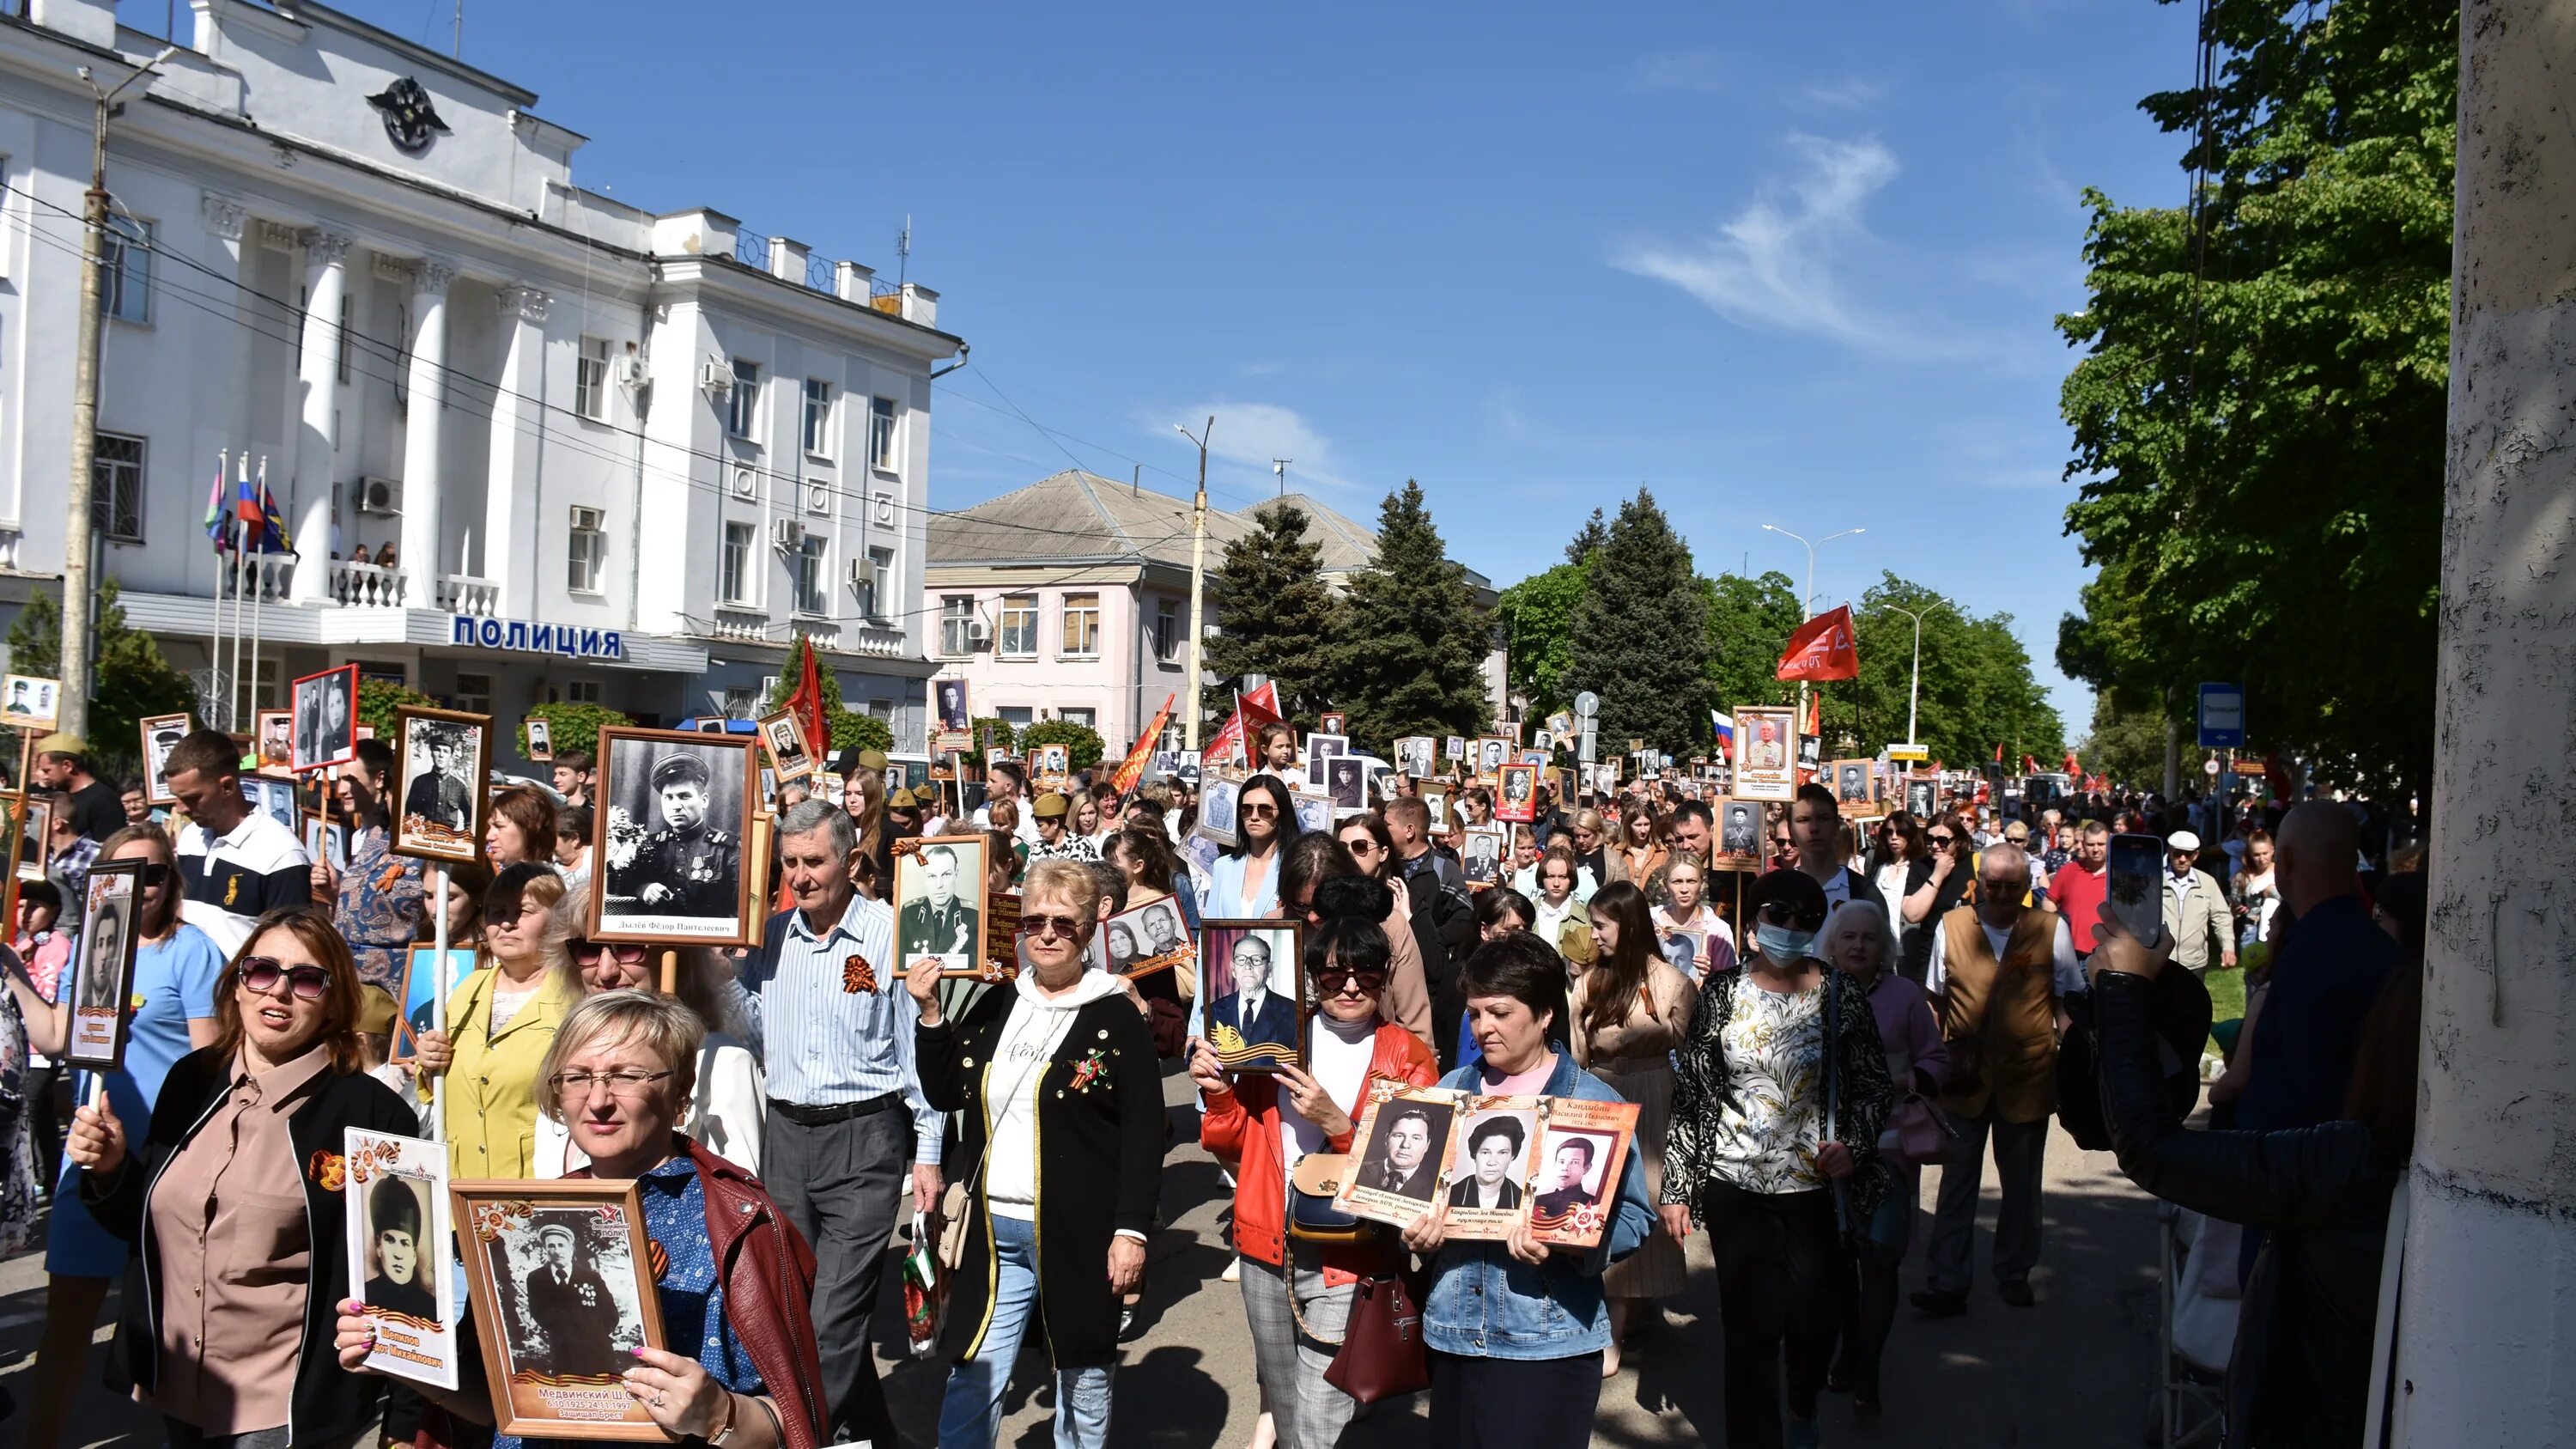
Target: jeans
[970, 1417]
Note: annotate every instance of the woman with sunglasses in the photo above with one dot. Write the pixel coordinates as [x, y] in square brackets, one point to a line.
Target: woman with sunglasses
[1935, 883]
[727, 1105]
[732, 1277]
[1059, 1129]
[1260, 1125]
[176, 969]
[234, 1203]
[1777, 1106]
[1307, 893]
[1244, 884]
[500, 1023]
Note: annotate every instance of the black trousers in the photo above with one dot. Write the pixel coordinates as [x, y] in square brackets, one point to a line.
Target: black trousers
[1781, 1282]
[1513, 1403]
[842, 1184]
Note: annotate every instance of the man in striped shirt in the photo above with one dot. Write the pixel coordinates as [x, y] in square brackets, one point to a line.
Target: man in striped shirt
[848, 1131]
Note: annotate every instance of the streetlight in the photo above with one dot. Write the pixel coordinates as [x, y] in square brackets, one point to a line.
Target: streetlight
[1198, 580]
[1914, 691]
[1806, 600]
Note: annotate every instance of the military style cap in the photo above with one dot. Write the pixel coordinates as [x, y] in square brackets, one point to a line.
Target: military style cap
[1050, 807]
[59, 743]
[901, 800]
[679, 769]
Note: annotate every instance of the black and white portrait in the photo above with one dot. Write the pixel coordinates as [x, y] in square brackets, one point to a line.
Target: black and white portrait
[541, 741]
[1149, 939]
[789, 751]
[1919, 797]
[1436, 802]
[670, 843]
[952, 705]
[1739, 828]
[1491, 752]
[161, 734]
[1413, 756]
[1851, 782]
[1346, 782]
[399, 1239]
[440, 761]
[1314, 812]
[1453, 747]
[939, 903]
[1402, 1155]
[275, 799]
[1254, 987]
[1481, 859]
[325, 718]
[1571, 1166]
[1543, 741]
[103, 975]
[1493, 1150]
[29, 703]
[1322, 745]
[1216, 809]
[401, 1260]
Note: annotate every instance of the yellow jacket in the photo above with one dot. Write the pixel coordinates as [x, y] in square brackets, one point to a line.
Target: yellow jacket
[489, 1095]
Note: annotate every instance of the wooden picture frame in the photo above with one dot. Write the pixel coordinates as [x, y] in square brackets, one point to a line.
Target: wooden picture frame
[1737, 821]
[31, 703]
[1332, 722]
[509, 1229]
[320, 742]
[670, 866]
[537, 740]
[1157, 940]
[442, 771]
[158, 735]
[326, 839]
[791, 755]
[1854, 786]
[273, 741]
[1050, 766]
[101, 992]
[1485, 865]
[1276, 1036]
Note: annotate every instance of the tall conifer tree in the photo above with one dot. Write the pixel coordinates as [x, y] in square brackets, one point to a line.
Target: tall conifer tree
[1413, 648]
[1276, 617]
[1641, 634]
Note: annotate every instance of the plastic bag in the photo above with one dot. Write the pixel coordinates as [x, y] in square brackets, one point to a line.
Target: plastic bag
[925, 1289]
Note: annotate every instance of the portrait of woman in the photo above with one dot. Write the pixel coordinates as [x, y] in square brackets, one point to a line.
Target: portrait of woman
[1493, 1156]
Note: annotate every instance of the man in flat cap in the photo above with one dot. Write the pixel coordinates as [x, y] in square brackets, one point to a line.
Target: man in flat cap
[569, 1302]
[685, 868]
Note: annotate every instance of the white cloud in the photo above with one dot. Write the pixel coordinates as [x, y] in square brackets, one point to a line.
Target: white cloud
[1848, 94]
[1771, 265]
[1701, 72]
[1248, 435]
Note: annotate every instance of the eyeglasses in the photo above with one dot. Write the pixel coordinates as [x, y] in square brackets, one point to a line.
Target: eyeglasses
[260, 974]
[1780, 913]
[1258, 810]
[1329, 980]
[586, 954]
[1065, 926]
[625, 1083]
[1942, 839]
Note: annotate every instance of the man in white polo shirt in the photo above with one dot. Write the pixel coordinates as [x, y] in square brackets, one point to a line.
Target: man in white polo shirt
[236, 862]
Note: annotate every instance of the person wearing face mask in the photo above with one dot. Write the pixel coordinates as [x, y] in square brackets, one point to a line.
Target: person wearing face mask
[1777, 1107]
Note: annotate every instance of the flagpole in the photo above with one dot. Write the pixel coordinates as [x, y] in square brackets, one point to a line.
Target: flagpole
[259, 593]
[233, 696]
[215, 638]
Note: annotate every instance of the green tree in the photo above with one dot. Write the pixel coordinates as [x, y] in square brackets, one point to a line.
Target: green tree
[1590, 536]
[2259, 416]
[132, 683]
[1410, 657]
[1084, 747]
[2128, 746]
[1978, 689]
[379, 698]
[1749, 624]
[573, 726]
[1641, 634]
[1537, 618]
[850, 728]
[1002, 735]
[1277, 618]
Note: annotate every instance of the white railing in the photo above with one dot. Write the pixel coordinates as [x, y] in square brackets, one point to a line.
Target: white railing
[872, 641]
[466, 594]
[262, 576]
[369, 586]
[742, 626]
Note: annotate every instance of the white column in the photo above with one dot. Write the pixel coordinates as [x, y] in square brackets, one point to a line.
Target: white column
[518, 420]
[425, 385]
[2485, 1352]
[317, 441]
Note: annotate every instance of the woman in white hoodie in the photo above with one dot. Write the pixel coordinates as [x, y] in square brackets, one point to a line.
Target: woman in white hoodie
[1056, 1098]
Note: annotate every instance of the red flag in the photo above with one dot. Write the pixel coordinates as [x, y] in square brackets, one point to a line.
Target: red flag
[1134, 767]
[1252, 711]
[1822, 649]
[2029, 766]
[1999, 753]
[2073, 765]
[807, 704]
[1815, 715]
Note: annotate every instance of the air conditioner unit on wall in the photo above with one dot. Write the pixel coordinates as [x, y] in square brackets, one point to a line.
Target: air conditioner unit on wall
[632, 373]
[787, 534]
[979, 633]
[381, 497]
[716, 376]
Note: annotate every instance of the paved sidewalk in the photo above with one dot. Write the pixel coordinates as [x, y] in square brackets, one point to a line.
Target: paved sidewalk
[2074, 1370]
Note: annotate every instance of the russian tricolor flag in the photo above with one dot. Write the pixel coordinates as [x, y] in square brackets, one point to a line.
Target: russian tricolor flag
[1725, 732]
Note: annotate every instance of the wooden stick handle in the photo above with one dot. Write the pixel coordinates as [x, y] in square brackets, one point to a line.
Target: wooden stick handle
[670, 973]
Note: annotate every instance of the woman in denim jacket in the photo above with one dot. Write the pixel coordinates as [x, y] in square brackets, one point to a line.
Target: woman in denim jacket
[1517, 1329]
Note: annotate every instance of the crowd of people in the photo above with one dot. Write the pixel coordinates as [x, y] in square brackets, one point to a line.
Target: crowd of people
[1806, 1024]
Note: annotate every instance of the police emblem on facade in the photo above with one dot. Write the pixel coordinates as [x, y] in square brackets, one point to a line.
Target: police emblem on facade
[409, 117]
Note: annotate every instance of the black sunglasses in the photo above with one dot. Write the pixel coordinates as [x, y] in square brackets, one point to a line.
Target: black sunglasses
[1329, 979]
[624, 953]
[262, 973]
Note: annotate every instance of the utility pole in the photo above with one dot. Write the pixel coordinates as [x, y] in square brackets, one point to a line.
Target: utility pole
[1279, 470]
[1198, 581]
[2482, 1343]
[79, 528]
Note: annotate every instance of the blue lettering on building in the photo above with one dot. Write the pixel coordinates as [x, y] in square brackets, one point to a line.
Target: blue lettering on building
[562, 639]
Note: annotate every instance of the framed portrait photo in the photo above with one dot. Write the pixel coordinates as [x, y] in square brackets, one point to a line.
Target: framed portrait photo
[1435, 799]
[1345, 782]
[674, 813]
[1922, 795]
[1582, 1148]
[563, 1292]
[1492, 1160]
[399, 1225]
[1332, 722]
[1314, 812]
[326, 839]
[160, 735]
[1051, 765]
[939, 904]
[1766, 749]
[1480, 858]
[30, 703]
[1453, 747]
[539, 735]
[442, 757]
[1252, 977]
[790, 753]
[1492, 753]
[949, 703]
[102, 989]
[35, 822]
[274, 798]
[1854, 791]
[325, 729]
[273, 733]
[1148, 940]
[1398, 1149]
[1516, 796]
[1217, 801]
[423, 985]
[1414, 756]
[1739, 835]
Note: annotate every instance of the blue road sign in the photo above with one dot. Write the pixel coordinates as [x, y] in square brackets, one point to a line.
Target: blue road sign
[2222, 716]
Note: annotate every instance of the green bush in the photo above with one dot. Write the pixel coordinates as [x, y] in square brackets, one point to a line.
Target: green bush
[379, 698]
[1086, 746]
[574, 726]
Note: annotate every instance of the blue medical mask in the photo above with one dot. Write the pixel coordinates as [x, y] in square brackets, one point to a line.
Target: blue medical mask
[1784, 945]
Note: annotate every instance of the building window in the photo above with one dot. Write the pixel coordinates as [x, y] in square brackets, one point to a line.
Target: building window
[588, 551]
[742, 404]
[1167, 629]
[1087, 718]
[590, 380]
[582, 691]
[733, 578]
[956, 625]
[1018, 716]
[818, 417]
[881, 433]
[116, 483]
[1082, 626]
[1019, 626]
[879, 590]
[813, 575]
[474, 693]
[125, 279]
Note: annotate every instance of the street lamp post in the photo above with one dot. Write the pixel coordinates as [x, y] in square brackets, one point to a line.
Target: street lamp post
[1914, 691]
[1198, 583]
[1807, 600]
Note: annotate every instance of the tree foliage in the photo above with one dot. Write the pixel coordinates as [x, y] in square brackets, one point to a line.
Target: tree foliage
[1590, 536]
[1749, 624]
[1084, 747]
[1978, 689]
[1640, 637]
[1278, 619]
[2259, 414]
[572, 726]
[2125, 745]
[132, 682]
[1412, 646]
[850, 728]
[379, 698]
[1537, 619]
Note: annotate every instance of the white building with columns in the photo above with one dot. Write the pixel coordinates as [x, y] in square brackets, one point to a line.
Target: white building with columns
[616, 456]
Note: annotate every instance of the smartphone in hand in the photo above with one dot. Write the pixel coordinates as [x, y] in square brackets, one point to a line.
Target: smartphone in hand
[2137, 883]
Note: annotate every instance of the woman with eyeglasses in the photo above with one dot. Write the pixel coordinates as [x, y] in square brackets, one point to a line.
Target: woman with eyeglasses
[1058, 1103]
[1935, 883]
[1244, 884]
[501, 1022]
[1298, 1301]
[176, 970]
[1777, 1106]
[235, 1208]
[733, 1277]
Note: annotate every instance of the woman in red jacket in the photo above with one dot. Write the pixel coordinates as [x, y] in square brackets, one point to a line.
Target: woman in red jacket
[1260, 1125]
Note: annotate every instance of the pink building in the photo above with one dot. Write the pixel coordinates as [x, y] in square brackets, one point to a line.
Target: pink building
[1070, 598]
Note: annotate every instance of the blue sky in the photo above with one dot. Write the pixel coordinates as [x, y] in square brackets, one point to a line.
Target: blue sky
[1792, 264]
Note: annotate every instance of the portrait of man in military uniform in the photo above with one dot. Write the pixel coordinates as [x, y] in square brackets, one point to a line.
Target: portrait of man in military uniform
[442, 760]
[939, 893]
[672, 845]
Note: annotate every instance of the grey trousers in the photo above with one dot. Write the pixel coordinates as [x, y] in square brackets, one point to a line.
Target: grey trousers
[2020, 1148]
[1308, 1412]
[842, 1185]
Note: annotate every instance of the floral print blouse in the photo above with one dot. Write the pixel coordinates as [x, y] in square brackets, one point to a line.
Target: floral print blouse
[379, 908]
[1768, 1132]
[1748, 1095]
